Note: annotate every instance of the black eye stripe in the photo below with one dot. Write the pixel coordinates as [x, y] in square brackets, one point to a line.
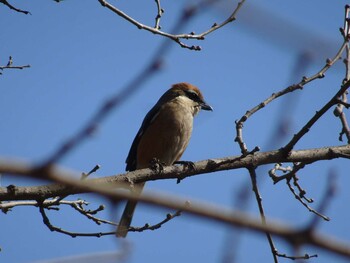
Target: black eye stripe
[192, 95]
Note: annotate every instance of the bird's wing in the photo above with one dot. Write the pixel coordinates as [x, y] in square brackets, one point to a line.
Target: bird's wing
[131, 160]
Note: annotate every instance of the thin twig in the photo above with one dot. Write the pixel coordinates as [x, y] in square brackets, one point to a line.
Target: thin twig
[93, 170]
[53, 228]
[160, 12]
[82, 177]
[5, 2]
[216, 26]
[327, 197]
[333, 101]
[305, 80]
[14, 67]
[306, 256]
[10, 65]
[156, 226]
[300, 199]
[258, 198]
[289, 172]
[345, 127]
[77, 205]
[89, 214]
[339, 110]
[7, 206]
[302, 192]
[190, 11]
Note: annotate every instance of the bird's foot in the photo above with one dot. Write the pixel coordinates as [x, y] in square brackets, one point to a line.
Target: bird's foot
[156, 165]
[187, 164]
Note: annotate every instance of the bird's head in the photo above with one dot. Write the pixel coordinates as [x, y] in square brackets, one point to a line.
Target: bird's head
[189, 95]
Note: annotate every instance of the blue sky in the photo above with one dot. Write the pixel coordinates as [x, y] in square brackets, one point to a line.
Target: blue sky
[81, 54]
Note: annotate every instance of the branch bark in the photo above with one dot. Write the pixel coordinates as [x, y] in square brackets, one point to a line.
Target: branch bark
[170, 172]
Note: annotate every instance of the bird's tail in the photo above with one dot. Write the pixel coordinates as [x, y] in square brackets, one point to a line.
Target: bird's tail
[125, 221]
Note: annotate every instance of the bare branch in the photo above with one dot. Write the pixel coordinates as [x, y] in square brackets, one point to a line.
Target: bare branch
[10, 65]
[306, 256]
[7, 206]
[156, 226]
[300, 85]
[215, 213]
[5, 2]
[287, 176]
[170, 172]
[258, 199]
[89, 214]
[187, 13]
[339, 110]
[53, 228]
[300, 197]
[291, 175]
[78, 206]
[216, 26]
[345, 126]
[160, 12]
[14, 67]
[333, 101]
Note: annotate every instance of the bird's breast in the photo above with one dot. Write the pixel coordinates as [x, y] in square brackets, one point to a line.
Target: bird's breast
[167, 136]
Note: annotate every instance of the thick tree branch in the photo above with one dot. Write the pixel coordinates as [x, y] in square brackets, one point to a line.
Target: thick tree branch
[215, 213]
[169, 172]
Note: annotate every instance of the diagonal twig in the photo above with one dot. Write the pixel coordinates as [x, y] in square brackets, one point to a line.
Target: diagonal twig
[158, 225]
[300, 85]
[333, 101]
[5, 2]
[300, 197]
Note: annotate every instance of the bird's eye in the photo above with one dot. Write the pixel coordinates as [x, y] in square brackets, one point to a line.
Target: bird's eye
[192, 95]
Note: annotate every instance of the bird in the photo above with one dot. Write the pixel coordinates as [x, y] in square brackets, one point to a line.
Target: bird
[163, 136]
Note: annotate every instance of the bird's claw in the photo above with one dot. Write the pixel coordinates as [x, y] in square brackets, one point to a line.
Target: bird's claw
[156, 165]
[188, 164]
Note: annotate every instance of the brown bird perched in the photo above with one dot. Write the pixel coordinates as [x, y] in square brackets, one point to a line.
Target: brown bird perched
[164, 135]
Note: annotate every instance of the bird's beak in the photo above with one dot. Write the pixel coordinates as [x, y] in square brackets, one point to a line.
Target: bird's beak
[205, 106]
